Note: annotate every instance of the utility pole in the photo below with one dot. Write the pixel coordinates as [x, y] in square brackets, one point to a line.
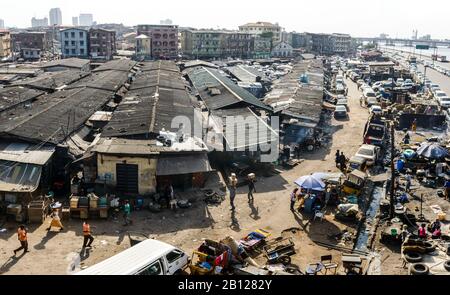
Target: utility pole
[392, 193]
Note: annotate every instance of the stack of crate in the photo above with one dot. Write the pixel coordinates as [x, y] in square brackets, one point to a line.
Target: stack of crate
[36, 211]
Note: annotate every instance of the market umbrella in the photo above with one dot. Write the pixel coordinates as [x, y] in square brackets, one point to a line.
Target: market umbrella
[432, 150]
[311, 183]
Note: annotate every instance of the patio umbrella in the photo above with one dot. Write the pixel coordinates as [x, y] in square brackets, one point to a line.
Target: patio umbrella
[432, 150]
[310, 182]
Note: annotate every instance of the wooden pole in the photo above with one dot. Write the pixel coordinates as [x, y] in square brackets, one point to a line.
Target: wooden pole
[392, 193]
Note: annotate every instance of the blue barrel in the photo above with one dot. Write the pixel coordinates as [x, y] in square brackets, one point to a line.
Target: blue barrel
[400, 165]
[309, 204]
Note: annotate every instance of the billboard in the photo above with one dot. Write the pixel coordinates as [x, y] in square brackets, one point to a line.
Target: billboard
[425, 47]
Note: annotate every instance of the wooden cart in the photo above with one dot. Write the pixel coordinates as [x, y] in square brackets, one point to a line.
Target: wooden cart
[197, 265]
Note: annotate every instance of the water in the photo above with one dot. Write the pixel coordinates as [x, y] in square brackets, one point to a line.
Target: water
[363, 237]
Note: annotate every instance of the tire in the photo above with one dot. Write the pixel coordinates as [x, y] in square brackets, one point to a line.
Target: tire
[413, 257]
[419, 269]
[292, 269]
[429, 247]
[447, 265]
[284, 259]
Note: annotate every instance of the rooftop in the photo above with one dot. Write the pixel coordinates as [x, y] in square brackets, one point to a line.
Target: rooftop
[67, 62]
[12, 96]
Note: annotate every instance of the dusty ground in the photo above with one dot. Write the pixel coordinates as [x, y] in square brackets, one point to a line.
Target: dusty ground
[51, 253]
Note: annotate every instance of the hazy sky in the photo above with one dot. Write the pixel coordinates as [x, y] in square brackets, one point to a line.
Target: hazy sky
[398, 18]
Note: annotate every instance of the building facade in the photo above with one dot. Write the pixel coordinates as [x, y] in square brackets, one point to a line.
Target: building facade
[75, 21]
[203, 44]
[5, 44]
[102, 44]
[341, 43]
[30, 40]
[39, 22]
[74, 43]
[164, 39]
[2, 24]
[239, 45]
[143, 47]
[86, 19]
[282, 49]
[259, 28]
[261, 47]
[55, 17]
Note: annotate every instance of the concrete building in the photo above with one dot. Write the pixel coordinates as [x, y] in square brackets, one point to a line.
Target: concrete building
[5, 44]
[55, 17]
[102, 44]
[39, 22]
[164, 39]
[74, 43]
[341, 43]
[30, 44]
[282, 49]
[262, 47]
[143, 47]
[302, 40]
[2, 24]
[203, 43]
[86, 19]
[329, 44]
[259, 28]
[239, 45]
[75, 21]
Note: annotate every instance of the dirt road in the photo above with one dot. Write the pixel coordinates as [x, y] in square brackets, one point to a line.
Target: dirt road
[51, 253]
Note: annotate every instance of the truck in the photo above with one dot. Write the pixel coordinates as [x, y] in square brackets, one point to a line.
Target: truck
[375, 132]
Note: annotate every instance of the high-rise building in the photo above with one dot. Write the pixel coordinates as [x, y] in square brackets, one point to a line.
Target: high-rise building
[2, 24]
[55, 17]
[39, 22]
[86, 19]
[75, 20]
[164, 39]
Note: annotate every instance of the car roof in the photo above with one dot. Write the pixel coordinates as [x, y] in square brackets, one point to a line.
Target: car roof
[131, 260]
[341, 107]
[368, 146]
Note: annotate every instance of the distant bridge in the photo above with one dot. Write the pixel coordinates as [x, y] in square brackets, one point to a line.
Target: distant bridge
[406, 42]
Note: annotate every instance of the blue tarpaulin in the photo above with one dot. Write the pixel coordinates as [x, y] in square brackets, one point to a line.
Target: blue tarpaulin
[432, 150]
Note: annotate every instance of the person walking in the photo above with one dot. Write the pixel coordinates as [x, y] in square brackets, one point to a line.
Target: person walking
[293, 198]
[22, 236]
[343, 162]
[408, 182]
[127, 213]
[251, 187]
[336, 158]
[447, 188]
[87, 236]
[414, 125]
[233, 183]
[56, 221]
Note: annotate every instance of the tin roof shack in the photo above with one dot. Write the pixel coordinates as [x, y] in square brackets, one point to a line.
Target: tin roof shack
[297, 99]
[250, 79]
[66, 64]
[232, 115]
[379, 71]
[141, 147]
[25, 172]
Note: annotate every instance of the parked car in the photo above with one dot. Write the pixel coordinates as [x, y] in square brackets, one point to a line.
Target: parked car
[360, 82]
[340, 112]
[343, 102]
[149, 257]
[376, 109]
[369, 152]
[400, 81]
[375, 133]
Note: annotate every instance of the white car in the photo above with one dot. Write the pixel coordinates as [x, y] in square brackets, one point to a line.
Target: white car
[368, 152]
[376, 109]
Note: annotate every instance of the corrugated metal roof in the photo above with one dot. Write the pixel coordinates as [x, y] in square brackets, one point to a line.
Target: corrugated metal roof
[182, 164]
[12, 96]
[51, 81]
[104, 80]
[25, 153]
[218, 91]
[124, 65]
[67, 62]
[19, 177]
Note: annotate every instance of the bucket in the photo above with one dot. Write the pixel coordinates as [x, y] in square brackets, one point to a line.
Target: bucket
[393, 232]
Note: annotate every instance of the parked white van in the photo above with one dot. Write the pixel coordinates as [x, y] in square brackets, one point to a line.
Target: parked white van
[149, 257]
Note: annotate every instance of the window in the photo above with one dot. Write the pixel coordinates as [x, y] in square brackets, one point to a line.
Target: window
[81, 34]
[66, 34]
[81, 43]
[73, 51]
[153, 269]
[66, 43]
[72, 34]
[67, 51]
[174, 255]
[81, 50]
[73, 43]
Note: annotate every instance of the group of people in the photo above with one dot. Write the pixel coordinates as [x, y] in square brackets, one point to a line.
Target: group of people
[341, 161]
[435, 229]
[233, 182]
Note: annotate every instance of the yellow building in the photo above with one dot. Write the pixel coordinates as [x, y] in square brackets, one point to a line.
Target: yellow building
[5, 44]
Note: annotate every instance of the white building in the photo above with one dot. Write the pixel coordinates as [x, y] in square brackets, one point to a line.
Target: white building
[39, 22]
[2, 24]
[55, 17]
[259, 28]
[75, 21]
[282, 49]
[143, 46]
[86, 19]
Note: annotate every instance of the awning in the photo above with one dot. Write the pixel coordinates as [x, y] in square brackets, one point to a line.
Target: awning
[182, 164]
[19, 177]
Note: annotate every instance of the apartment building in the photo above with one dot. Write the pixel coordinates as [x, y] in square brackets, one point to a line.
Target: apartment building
[74, 43]
[164, 38]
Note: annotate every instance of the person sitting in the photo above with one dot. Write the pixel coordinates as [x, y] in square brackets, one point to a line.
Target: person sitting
[435, 225]
[422, 232]
[436, 234]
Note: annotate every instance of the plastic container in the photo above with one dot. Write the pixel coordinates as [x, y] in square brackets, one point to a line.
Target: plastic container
[441, 216]
[394, 232]
[74, 202]
[83, 202]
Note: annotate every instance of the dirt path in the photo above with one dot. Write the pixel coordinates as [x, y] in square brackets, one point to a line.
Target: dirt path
[51, 253]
